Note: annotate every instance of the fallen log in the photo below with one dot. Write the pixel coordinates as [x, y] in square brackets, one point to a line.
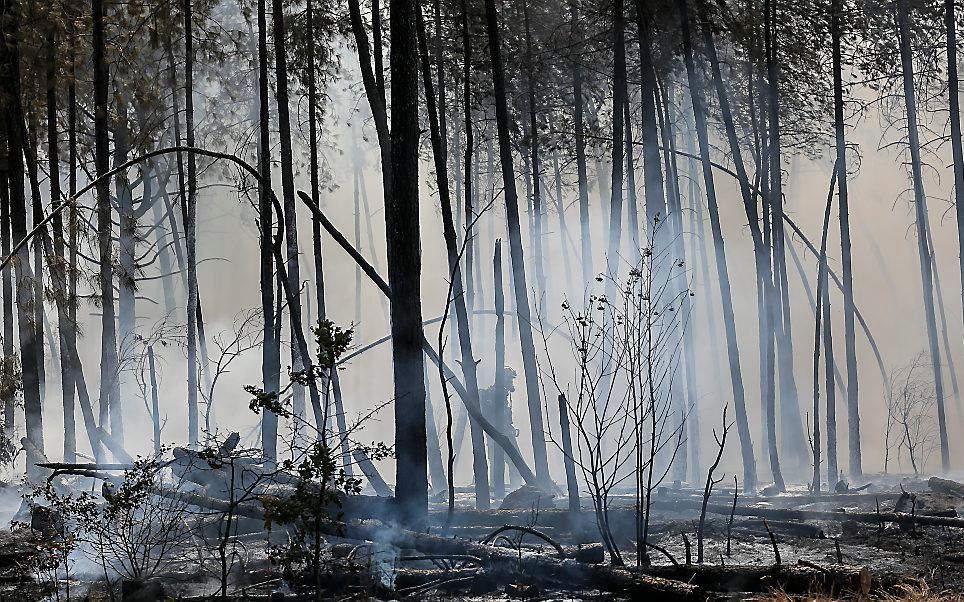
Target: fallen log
[784, 527]
[511, 563]
[900, 518]
[946, 486]
[833, 579]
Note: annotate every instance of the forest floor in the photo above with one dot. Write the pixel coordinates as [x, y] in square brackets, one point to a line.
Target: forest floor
[823, 553]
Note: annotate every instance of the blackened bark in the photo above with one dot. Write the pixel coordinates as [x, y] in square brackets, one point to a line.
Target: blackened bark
[499, 408]
[57, 265]
[523, 312]
[14, 121]
[652, 174]
[726, 297]
[298, 363]
[404, 269]
[469, 366]
[9, 397]
[537, 204]
[772, 287]
[821, 313]
[190, 230]
[108, 340]
[580, 143]
[954, 106]
[270, 353]
[619, 103]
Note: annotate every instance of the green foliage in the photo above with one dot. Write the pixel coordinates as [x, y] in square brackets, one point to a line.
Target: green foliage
[132, 529]
[315, 502]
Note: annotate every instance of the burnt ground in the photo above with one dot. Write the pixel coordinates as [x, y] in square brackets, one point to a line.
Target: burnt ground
[902, 559]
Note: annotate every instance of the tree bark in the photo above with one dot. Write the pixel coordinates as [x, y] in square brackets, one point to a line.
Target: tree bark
[270, 351]
[516, 253]
[404, 269]
[108, 341]
[580, 143]
[920, 201]
[58, 266]
[954, 106]
[469, 366]
[729, 325]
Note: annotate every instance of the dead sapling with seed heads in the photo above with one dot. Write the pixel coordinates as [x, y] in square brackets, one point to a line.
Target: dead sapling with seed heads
[619, 400]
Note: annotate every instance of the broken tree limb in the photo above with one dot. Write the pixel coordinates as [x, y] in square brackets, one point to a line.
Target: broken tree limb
[803, 578]
[901, 518]
[530, 531]
[371, 473]
[511, 563]
[497, 436]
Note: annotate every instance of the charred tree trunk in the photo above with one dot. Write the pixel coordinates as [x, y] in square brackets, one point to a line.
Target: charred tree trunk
[469, 366]
[523, 314]
[773, 286]
[7, 367]
[499, 408]
[298, 363]
[537, 204]
[619, 103]
[190, 231]
[580, 142]
[270, 352]
[404, 269]
[729, 325]
[846, 260]
[27, 327]
[108, 341]
[58, 265]
[920, 201]
[821, 313]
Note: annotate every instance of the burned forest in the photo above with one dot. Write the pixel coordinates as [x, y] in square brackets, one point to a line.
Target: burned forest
[481, 300]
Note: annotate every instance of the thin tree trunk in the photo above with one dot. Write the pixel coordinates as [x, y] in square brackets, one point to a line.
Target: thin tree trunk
[616, 192]
[829, 373]
[771, 282]
[821, 314]
[846, 260]
[923, 248]
[155, 405]
[729, 324]
[537, 204]
[469, 366]
[585, 231]
[652, 174]
[7, 367]
[499, 407]
[108, 345]
[516, 253]
[689, 455]
[270, 351]
[298, 363]
[126, 275]
[954, 107]
[57, 267]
